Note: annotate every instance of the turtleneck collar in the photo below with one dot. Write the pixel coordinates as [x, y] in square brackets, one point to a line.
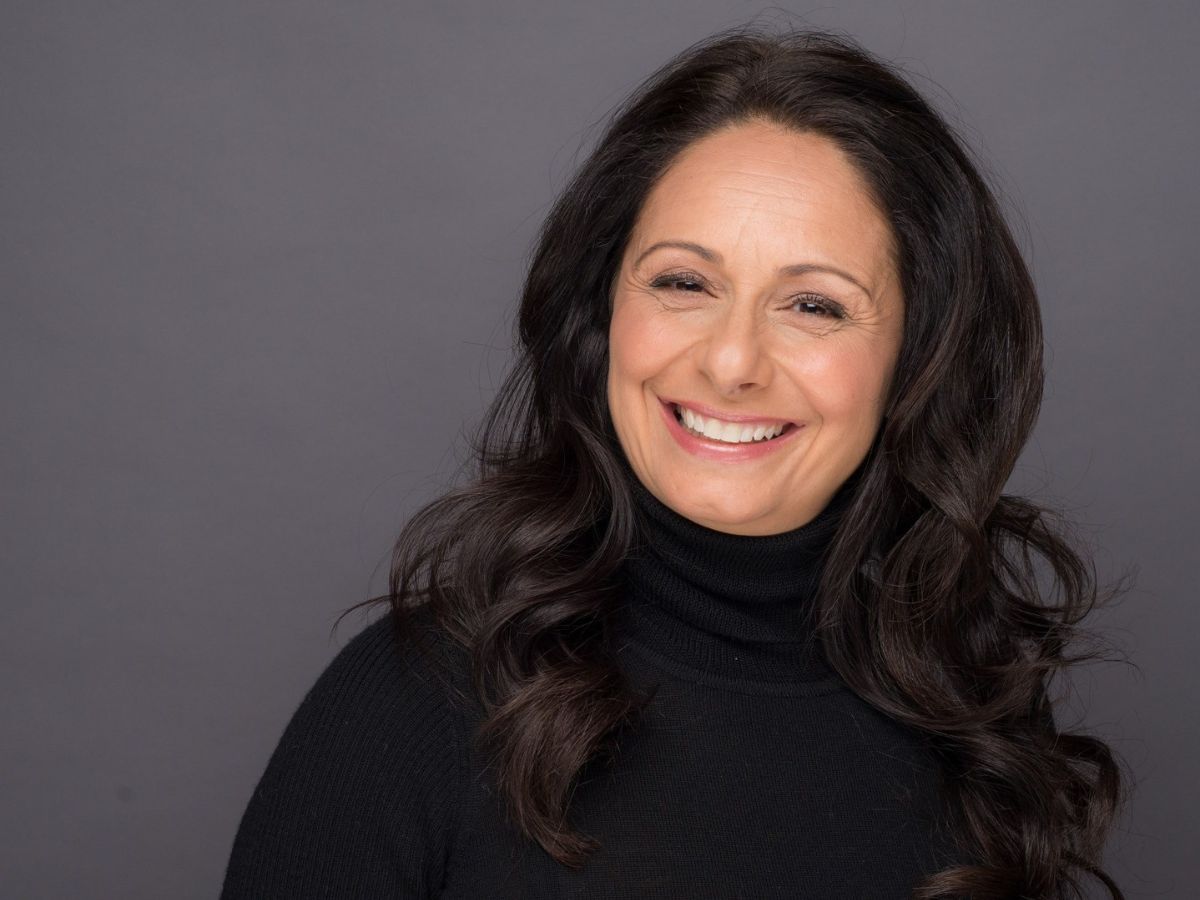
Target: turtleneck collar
[734, 607]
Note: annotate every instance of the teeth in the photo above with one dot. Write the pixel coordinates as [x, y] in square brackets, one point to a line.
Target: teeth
[728, 432]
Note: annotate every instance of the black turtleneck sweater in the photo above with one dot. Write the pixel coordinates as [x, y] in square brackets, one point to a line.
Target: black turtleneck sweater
[753, 773]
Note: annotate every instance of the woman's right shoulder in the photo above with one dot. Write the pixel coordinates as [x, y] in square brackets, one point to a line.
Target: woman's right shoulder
[379, 649]
[367, 777]
[400, 683]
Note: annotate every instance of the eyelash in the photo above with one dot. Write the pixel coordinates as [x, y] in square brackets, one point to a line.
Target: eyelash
[832, 310]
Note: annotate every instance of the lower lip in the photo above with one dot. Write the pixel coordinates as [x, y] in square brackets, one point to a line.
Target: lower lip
[710, 449]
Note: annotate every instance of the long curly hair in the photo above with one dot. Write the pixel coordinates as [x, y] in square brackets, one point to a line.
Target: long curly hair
[930, 607]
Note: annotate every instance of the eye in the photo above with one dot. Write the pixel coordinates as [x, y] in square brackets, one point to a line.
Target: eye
[687, 282]
[809, 304]
[817, 305]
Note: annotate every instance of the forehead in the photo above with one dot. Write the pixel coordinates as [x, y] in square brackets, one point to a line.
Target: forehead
[760, 190]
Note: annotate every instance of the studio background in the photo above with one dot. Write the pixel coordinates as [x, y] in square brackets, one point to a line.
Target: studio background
[258, 264]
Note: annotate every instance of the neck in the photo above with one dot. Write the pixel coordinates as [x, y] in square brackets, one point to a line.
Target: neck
[733, 606]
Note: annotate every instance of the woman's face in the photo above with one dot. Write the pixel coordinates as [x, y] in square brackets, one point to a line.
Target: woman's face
[758, 286]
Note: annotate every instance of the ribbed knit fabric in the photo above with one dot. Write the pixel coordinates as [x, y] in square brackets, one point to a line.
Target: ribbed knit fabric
[754, 772]
[727, 605]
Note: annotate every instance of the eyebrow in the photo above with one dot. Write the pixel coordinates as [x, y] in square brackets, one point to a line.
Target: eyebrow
[714, 257]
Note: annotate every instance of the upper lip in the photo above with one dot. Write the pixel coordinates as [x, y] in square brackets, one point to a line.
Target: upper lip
[708, 411]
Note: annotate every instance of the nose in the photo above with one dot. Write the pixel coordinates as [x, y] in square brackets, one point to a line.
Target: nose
[733, 357]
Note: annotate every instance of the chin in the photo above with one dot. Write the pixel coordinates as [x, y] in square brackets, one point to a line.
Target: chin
[717, 509]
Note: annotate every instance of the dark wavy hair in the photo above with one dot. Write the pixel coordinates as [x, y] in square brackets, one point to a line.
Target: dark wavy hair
[930, 606]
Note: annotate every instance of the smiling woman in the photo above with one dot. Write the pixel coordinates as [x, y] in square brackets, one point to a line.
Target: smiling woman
[714, 316]
[735, 605]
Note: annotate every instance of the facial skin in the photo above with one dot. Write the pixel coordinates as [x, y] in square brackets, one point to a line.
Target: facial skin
[734, 333]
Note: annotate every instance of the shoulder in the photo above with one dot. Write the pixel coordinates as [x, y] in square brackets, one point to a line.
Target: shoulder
[383, 712]
[367, 777]
[380, 682]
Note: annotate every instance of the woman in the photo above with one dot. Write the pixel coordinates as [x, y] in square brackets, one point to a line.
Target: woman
[735, 606]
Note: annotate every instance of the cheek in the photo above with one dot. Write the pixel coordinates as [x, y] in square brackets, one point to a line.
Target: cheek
[637, 345]
[845, 384]
[623, 367]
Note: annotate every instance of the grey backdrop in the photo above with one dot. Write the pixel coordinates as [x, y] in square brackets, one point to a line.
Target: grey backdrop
[259, 263]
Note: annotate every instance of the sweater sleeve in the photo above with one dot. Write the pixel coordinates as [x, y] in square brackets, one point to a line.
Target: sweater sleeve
[359, 798]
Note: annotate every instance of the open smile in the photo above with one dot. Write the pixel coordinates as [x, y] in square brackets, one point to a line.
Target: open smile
[710, 437]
